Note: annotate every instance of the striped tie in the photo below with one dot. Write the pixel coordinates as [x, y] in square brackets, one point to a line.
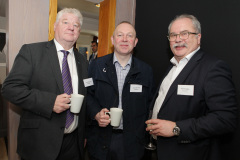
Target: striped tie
[67, 85]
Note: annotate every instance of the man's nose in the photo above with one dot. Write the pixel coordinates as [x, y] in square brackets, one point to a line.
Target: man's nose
[125, 38]
[178, 39]
[71, 26]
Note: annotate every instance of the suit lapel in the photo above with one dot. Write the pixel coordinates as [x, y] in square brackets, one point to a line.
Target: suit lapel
[53, 60]
[80, 65]
[183, 75]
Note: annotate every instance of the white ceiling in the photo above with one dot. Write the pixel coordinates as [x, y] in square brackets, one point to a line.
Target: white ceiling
[87, 8]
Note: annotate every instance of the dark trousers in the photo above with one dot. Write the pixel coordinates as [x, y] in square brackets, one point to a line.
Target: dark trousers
[116, 151]
[70, 148]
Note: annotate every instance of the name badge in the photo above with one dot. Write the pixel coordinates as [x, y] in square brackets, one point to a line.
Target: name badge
[88, 82]
[136, 88]
[187, 90]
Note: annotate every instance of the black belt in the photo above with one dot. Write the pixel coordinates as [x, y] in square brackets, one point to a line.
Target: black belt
[117, 131]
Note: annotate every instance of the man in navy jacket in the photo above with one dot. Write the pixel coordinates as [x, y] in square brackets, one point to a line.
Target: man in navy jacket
[119, 80]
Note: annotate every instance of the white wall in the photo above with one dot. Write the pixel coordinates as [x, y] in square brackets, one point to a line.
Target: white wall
[3, 23]
[90, 24]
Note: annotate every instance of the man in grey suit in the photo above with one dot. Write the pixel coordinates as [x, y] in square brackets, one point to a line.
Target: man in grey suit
[196, 103]
[37, 85]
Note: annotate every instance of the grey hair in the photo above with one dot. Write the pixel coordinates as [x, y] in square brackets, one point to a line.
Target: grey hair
[70, 10]
[195, 22]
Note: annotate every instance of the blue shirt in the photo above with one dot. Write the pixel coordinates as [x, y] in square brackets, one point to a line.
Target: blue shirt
[121, 75]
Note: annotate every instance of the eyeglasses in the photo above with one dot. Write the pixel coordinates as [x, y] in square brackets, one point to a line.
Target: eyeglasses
[182, 35]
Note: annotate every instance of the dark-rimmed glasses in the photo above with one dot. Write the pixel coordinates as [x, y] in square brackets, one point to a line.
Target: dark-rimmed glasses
[182, 35]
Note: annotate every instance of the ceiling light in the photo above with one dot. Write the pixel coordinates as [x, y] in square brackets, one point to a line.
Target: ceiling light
[97, 4]
[94, 1]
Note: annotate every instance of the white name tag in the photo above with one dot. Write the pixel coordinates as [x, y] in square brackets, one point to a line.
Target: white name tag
[88, 82]
[136, 88]
[187, 90]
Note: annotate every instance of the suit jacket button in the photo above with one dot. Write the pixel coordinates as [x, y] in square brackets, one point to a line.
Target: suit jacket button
[105, 147]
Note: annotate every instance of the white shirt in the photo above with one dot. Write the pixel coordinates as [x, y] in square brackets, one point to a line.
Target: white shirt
[95, 55]
[74, 76]
[168, 80]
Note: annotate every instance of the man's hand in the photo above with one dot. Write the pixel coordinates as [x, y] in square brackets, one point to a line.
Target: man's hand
[61, 103]
[103, 120]
[160, 127]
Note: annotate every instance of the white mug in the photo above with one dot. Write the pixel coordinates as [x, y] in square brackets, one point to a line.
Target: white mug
[115, 116]
[76, 103]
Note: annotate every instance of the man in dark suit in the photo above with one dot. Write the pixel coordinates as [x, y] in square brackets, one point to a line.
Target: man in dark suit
[35, 84]
[119, 80]
[195, 103]
[94, 46]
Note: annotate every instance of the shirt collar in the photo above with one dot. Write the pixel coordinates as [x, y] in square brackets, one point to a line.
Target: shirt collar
[59, 47]
[187, 58]
[115, 60]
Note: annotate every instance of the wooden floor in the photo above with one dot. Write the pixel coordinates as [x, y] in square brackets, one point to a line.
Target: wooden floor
[3, 150]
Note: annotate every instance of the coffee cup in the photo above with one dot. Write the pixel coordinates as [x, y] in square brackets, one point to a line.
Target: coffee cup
[115, 116]
[76, 102]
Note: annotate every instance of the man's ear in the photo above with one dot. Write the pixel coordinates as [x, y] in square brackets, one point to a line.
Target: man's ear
[199, 38]
[54, 26]
[112, 40]
[136, 41]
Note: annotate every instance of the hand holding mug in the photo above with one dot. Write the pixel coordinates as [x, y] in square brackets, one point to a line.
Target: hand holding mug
[61, 103]
[102, 118]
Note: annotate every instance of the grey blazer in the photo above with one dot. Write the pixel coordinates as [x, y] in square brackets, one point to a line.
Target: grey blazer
[33, 84]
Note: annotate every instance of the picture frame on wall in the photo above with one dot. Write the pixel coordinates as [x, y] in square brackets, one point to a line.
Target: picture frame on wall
[2, 47]
[3, 51]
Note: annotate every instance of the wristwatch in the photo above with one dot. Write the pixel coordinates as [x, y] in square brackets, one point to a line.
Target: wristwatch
[176, 131]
